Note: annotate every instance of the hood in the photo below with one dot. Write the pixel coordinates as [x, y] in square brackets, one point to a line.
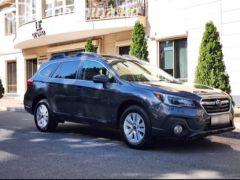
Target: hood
[184, 89]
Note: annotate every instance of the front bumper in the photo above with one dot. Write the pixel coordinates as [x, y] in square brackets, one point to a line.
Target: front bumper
[188, 132]
[196, 123]
[28, 109]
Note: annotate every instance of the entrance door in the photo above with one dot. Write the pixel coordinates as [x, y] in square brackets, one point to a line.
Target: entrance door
[12, 77]
[96, 102]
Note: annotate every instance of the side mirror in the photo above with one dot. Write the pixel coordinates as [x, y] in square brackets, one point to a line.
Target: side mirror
[100, 79]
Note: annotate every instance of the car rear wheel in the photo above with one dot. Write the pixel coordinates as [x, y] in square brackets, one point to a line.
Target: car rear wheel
[135, 127]
[43, 117]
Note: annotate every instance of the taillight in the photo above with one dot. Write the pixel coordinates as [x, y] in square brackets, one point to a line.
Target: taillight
[29, 83]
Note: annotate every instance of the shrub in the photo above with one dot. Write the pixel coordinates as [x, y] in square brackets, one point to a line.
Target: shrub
[139, 46]
[211, 70]
[89, 47]
[1, 89]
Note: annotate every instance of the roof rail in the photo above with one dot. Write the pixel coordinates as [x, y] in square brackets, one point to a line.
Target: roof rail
[63, 55]
[57, 56]
[126, 57]
[89, 54]
[130, 57]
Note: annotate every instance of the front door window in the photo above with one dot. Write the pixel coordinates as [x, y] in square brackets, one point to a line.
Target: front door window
[93, 68]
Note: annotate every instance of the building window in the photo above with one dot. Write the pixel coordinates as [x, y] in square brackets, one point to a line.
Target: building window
[27, 11]
[10, 23]
[31, 66]
[57, 7]
[12, 77]
[124, 50]
[173, 58]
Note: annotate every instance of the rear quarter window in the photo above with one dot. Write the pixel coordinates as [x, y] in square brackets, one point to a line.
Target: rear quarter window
[49, 70]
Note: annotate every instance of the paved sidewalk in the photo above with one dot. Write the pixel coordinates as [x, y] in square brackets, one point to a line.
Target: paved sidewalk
[237, 124]
[11, 104]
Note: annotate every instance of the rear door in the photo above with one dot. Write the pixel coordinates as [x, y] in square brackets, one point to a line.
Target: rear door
[63, 90]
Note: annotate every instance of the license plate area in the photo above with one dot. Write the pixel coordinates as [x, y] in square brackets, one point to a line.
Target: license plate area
[220, 119]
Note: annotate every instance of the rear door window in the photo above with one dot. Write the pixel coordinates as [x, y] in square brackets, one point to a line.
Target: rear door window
[49, 70]
[67, 70]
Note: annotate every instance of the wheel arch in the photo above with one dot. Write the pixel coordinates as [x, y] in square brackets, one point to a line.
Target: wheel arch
[36, 100]
[124, 105]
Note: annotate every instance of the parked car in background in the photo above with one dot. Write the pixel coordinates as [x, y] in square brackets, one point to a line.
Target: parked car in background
[127, 94]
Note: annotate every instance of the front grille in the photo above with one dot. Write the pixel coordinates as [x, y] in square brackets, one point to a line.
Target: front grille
[216, 105]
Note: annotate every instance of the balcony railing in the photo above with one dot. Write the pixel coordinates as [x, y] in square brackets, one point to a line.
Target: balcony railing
[108, 9]
[6, 2]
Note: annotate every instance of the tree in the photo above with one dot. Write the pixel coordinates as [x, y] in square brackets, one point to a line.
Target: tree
[89, 47]
[211, 70]
[1, 89]
[139, 46]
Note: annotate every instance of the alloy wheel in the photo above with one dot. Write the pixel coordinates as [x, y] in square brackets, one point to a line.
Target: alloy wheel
[134, 128]
[42, 116]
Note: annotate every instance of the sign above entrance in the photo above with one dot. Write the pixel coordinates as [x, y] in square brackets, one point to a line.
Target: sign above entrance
[39, 30]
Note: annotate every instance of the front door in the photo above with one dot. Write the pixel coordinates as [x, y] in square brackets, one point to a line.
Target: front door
[96, 99]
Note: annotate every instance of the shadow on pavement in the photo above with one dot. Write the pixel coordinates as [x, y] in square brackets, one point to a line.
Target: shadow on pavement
[80, 151]
[159, 144]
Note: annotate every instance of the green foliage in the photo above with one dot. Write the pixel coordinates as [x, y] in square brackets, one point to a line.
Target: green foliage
[89, 47]
[139, 46]
[1, 89]
[211, 70]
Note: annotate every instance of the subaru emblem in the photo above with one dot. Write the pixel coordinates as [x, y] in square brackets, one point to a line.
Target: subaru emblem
[218, 102]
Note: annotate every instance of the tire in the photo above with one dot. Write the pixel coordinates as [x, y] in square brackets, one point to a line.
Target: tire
[43, 117]
[136, 128]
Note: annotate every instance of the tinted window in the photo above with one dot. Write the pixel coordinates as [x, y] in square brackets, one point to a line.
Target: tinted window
[137, 70]
[93, 68]
[124, 50]
[49, 70]
[68, 70]
[173, 58]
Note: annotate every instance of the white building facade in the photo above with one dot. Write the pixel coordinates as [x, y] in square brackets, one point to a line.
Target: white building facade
[174, 30]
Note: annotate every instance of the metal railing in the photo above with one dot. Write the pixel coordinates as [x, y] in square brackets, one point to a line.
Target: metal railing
[108, 9]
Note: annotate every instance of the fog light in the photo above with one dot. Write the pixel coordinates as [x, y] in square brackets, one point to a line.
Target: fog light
[178, 129]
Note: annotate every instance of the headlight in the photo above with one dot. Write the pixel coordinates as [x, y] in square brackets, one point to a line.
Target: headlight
[174, 100]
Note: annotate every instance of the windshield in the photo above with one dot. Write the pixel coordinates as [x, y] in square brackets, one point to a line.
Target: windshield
[138, 71]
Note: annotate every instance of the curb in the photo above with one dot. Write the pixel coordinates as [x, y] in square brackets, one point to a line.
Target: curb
[8, 109]
[237, 112]
[236, 115]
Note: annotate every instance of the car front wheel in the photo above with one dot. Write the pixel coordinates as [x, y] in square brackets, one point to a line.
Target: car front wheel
[135, 127]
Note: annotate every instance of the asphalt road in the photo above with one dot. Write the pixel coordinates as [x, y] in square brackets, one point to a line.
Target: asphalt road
[77, 151]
